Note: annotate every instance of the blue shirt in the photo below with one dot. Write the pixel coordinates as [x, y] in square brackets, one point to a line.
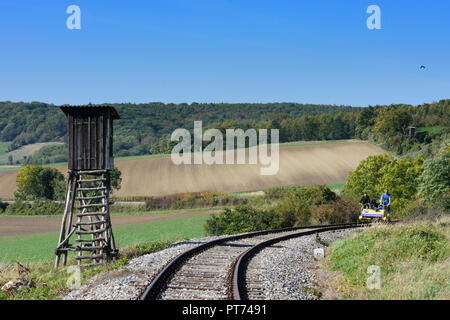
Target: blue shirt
[385, 197]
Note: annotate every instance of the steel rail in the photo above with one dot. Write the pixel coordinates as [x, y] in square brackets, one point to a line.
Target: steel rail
[239, 291]
[157, 284]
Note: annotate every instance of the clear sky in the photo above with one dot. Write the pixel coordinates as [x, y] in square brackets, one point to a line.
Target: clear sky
[311, 51]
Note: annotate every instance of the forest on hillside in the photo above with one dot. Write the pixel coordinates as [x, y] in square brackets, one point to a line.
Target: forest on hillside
[143, 125]
[146, 128]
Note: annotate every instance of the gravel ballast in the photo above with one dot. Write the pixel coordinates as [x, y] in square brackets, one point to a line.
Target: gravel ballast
[129, 282]
[279, 272]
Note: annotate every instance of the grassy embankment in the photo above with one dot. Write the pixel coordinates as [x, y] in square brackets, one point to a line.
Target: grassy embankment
[50, 283]
[35, 251]
[414, 261]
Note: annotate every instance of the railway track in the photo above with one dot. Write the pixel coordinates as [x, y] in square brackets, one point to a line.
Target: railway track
[216, 270]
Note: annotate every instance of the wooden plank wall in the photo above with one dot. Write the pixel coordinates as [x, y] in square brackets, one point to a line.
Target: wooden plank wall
[90, 140]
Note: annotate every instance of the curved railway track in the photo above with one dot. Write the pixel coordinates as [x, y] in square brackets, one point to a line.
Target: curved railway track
[216, 270]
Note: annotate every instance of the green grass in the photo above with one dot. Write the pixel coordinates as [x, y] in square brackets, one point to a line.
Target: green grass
[51, 283]
[4, 147]
[141, 213]
[2, 168]
[336, 186]
[26, 150]
[39, 247]
[413, 260]
[430, 129]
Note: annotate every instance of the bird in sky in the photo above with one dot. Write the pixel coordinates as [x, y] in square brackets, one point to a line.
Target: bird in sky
[422, 67]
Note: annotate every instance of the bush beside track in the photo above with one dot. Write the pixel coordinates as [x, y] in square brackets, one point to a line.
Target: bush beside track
[306, 206]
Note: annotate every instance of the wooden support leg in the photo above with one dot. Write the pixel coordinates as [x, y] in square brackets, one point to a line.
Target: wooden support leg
[63, 233]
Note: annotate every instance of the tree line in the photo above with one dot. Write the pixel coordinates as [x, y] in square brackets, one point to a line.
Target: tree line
[146, 128]
[143, 128]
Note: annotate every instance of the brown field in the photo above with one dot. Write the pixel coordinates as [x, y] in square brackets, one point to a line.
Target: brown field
[299, 165]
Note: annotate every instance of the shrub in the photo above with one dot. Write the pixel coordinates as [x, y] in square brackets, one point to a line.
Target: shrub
[434, 188]
[279, 192]
[3, 206]
[418, 210]
[340, 211]
[317, 195]
[36, 208]
[211, 198]
[294, 210]
[127, 208]
[238, 220]
[192, 200]
[411, 210]
[116, 179]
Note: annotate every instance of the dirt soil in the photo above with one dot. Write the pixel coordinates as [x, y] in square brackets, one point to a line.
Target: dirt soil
[11, 226]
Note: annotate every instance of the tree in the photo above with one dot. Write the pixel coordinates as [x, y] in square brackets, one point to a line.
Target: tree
[27, 182]
[391, 126]
[434, 188]
[366, 176]
[377, 173]
[52, 184]
[364, 122]
[116, 178]
[400, 177]
[35, 182]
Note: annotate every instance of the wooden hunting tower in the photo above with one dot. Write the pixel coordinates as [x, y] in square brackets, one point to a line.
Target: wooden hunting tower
[90, 130]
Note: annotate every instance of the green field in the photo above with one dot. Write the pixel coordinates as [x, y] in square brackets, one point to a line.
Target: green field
[4, 147]
[18, 154]
[430, 129]
[39, 247]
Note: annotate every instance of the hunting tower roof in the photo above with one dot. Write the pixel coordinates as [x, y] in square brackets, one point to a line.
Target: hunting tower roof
[67, 108]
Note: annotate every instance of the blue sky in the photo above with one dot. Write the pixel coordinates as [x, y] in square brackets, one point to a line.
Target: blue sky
[225, 51]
